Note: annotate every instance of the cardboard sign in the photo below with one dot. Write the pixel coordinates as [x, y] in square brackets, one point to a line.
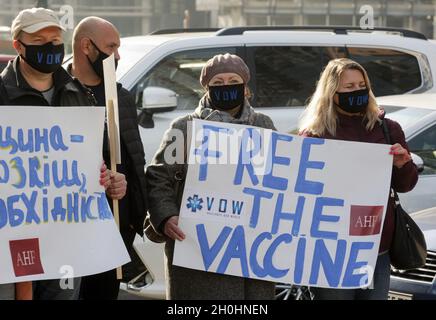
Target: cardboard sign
[54, 215]
[283, 208]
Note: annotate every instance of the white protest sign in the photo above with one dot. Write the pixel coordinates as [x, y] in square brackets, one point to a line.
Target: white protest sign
[111, 94]
[310, 214]
[53, 212]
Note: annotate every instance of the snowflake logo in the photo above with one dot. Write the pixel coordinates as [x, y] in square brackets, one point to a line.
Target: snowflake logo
[194, 203]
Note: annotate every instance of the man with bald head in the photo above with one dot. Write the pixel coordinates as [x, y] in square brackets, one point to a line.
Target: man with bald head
[94, 40]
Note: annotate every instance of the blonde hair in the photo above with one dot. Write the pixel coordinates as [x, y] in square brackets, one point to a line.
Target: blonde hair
[320, 115]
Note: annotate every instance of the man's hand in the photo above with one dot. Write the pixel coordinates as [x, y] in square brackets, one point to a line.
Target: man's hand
[118, 186]
[172, 230]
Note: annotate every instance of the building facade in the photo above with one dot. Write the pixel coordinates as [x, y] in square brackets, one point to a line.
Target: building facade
[135, 17]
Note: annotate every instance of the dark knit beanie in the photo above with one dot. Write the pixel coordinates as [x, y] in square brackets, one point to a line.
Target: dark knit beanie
[224, 63]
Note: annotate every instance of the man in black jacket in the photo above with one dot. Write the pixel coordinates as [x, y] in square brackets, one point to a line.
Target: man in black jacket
[94, 39]
[36, 78]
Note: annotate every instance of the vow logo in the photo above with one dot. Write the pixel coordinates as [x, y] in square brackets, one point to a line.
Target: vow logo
[49, 58]
[228, 95]
[233, 207]
[360, 100]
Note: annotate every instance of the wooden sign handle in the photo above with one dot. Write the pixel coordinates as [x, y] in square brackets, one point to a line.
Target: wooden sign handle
[113, 152]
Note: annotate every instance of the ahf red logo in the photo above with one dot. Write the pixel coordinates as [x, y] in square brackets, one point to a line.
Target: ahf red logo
[25, 257]
[365, 220]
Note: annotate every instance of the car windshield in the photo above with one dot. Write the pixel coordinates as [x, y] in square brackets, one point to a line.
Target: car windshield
[130, 53]
[406, 116]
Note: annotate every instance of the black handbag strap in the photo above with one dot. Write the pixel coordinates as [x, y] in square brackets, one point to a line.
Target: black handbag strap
[385, 128]
[388, 140]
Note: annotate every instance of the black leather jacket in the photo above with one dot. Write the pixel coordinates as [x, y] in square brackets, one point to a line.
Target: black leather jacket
[68, 91]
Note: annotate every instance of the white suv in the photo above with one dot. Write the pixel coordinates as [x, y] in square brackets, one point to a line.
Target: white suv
[162, 69]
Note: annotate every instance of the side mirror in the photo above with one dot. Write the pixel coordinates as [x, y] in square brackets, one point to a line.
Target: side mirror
[417, 160]
[145, 120]
[157, 99]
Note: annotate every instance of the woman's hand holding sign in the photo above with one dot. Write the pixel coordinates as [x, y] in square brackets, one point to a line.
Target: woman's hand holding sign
[401, 155]
[172, 230]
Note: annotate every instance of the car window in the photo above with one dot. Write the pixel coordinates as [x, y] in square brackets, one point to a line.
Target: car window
[180, 72]
[286, 76]
[424, 145]
[390, 71]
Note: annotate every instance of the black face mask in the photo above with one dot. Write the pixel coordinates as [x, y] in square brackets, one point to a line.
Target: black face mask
[97, 65]
[227, 97]
[354, 101]
[46, 58]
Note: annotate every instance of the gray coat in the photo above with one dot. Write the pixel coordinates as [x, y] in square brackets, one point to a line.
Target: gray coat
[165, 189]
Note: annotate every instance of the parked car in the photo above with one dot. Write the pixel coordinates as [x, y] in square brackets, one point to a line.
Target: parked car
[418, 283]
[417, 115]
[162, 69]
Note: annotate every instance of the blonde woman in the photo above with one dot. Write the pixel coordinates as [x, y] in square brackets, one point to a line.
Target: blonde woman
[343, 107]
